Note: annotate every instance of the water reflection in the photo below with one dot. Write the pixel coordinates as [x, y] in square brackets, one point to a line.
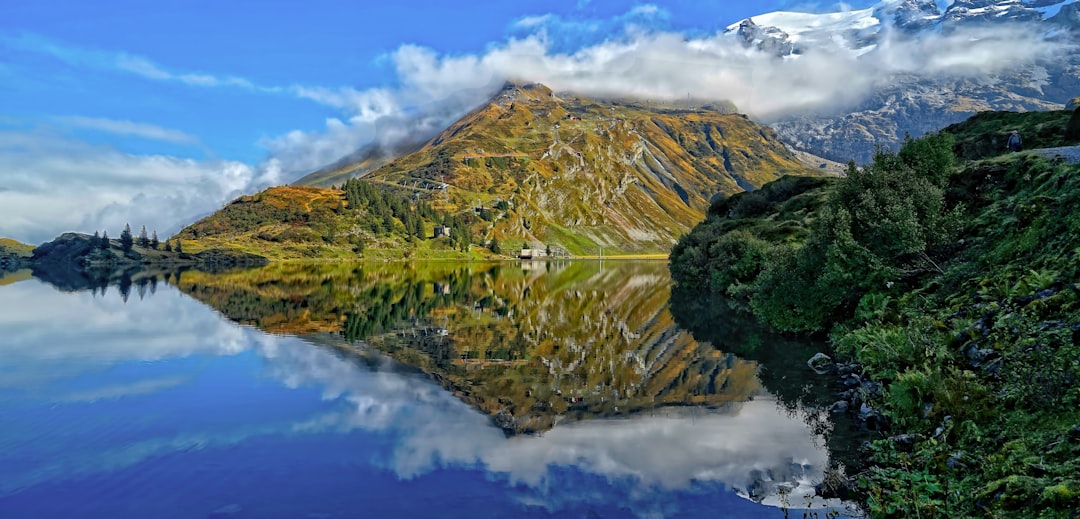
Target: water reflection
[528, 346]
[124, 388]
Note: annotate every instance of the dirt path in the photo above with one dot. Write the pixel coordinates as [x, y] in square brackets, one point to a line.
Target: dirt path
[1069, 153]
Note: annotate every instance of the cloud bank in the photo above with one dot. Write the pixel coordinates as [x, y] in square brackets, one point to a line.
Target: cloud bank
[435, 89]
[52, 184]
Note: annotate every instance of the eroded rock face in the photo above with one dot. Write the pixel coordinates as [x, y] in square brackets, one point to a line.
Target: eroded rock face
[909, 15]
[967, 12]
[1073, 103]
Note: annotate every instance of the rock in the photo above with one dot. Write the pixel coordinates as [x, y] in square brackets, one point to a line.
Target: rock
[852, 381]
[870, 390]
[839, 406]
[943, 428]
[1043, 294]
[871, 418]
[956, 461]
[1073, 104]
[904, 441]
[821, 364]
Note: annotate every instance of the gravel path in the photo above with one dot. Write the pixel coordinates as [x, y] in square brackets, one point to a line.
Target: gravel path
[1069, 153]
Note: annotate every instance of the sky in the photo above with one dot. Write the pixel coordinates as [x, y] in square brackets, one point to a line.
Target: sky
[157, 113]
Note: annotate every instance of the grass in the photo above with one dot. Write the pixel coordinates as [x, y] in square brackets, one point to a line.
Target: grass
[10, 246]
[985, 135]
[637, 177]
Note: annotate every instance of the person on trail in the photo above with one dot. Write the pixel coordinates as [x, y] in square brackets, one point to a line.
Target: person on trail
[1015, 142]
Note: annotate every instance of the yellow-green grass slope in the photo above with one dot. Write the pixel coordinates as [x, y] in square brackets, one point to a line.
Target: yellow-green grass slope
[582, 175]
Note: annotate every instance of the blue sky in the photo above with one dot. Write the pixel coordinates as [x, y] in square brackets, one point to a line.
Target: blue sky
[156, 113]
[60, 61]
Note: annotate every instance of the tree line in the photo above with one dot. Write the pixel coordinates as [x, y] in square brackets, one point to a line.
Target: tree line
[128, 240]
[382, 208]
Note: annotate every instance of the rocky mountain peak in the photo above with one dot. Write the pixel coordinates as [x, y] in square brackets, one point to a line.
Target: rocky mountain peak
[911, 15]
[766, 39]
[963, 12]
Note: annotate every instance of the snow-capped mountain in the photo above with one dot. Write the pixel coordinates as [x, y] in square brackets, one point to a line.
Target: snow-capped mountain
[791, 32]
[911, 102]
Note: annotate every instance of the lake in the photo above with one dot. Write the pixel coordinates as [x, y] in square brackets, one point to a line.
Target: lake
[573, 389]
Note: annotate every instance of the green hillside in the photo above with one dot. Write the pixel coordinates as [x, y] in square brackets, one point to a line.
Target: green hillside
[986, 134]
[296, 222]
[581, 175]
[948, 288]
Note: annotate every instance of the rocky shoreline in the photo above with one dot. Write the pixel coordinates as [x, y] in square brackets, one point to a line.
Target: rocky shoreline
[77, 261]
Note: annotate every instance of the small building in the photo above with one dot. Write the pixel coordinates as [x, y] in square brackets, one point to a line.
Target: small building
[442, 230]
[528, 254]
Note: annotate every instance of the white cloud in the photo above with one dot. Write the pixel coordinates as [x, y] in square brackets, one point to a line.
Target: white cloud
[634, 60]
[122, 127]
[52, 184]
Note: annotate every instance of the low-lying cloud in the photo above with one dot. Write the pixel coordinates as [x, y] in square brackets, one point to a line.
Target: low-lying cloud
[52, 184]
[437, 88]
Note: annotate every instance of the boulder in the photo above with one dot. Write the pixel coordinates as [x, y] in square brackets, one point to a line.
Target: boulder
[1073, 104]
[821, 364]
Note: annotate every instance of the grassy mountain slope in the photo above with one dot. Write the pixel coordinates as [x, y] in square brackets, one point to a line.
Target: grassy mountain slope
[584, 174]
[293, 222]
[986, 134]
[951, 287]
[13, 254]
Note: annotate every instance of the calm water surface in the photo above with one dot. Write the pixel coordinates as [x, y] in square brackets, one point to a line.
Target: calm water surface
[300, 391]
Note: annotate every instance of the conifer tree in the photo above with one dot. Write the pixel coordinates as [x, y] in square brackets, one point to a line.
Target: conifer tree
[104, 243]
[144, 240]
[179, 248]
[95, 240]
[168, 246]
[154, 240]
[126, 240]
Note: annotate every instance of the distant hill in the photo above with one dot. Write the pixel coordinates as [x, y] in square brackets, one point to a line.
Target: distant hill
[543, 169]
[13, 254]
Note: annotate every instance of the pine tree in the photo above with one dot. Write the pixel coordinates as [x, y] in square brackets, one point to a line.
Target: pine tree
[168, 246]
[126, 239]
[144, 240]
[154, 240]
[95, 240]
[104, 243]
[179, 248]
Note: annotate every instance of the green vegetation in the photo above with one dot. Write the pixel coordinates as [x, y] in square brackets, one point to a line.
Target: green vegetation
[951, 285]
[360, 220]
[985, 134]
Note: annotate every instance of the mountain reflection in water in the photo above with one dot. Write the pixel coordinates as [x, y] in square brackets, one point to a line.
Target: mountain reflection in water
[152, 394]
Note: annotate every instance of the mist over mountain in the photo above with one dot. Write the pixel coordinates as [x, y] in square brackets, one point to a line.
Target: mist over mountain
[836, 84]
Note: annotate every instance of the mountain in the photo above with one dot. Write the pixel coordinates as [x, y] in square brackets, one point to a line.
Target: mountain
[545, 169]
[915, 103]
